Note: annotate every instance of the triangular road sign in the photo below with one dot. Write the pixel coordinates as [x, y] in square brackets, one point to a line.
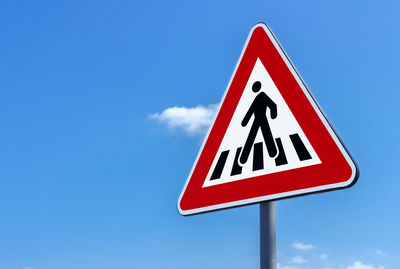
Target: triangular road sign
[269, 140]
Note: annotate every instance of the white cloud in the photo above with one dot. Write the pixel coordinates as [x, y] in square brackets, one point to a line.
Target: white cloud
[302, 246]
[28, 267]
[323, 256]
[192, 120]
[280, 266]
[298, 259]
[380, 252]
[360, 265]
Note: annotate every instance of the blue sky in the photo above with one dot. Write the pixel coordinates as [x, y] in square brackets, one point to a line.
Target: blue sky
[90, 174]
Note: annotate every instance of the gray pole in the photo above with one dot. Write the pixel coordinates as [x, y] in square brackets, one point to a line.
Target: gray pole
[267, 236]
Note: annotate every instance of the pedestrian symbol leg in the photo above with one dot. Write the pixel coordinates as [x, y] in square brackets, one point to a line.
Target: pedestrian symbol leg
[249, 144]
[269, 139]
[258, 158]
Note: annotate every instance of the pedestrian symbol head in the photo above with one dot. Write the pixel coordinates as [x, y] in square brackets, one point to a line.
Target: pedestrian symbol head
[256, 86]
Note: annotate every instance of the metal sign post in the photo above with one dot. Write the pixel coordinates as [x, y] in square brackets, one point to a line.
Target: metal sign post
[267, 236]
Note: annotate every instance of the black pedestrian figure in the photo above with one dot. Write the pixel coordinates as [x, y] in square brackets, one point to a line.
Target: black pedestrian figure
[259, 109]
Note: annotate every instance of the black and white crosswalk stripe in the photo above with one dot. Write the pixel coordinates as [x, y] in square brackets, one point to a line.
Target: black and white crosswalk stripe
[258, 157]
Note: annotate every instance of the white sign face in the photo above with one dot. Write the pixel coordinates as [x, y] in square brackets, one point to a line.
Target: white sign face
[283, 127]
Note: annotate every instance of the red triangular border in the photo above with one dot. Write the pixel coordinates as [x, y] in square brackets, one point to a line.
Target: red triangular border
[337, 169]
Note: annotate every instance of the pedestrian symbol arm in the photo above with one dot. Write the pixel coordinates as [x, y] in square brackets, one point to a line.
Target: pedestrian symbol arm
[247, 116]
[273, 109]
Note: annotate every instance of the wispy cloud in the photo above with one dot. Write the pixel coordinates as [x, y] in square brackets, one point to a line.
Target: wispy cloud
[380, 252]
[280, 266]
[360, 265]
[28, 267]
[302, 246]
[312, 261]
[192, 120]
[298, 259]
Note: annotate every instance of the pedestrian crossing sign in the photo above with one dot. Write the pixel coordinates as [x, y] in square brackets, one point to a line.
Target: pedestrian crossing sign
[270, 139]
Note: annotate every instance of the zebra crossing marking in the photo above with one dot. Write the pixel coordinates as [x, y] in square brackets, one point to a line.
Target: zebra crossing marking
[220, 165]
[301, 150]
[236, 168]
[258, 157]
[281, 159]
